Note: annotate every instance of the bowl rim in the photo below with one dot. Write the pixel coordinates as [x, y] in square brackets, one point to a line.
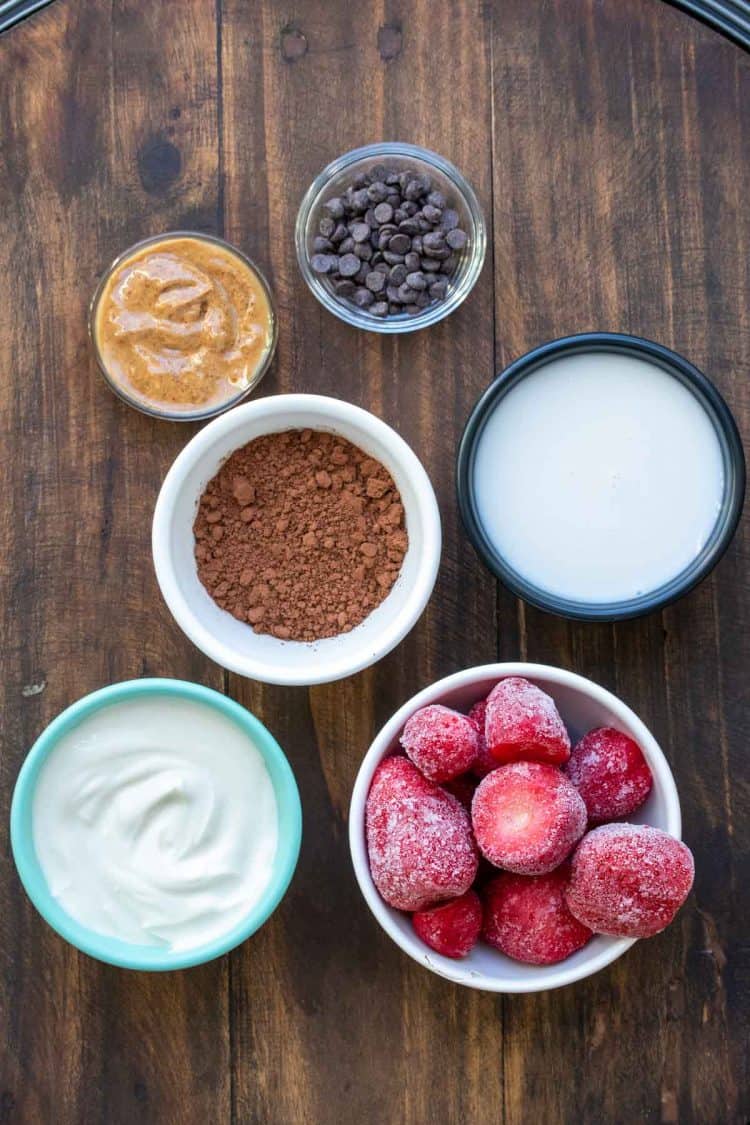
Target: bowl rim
[110, 950]
[381, 745]
[434, 313]
[732, 453]
[199, 415]
[337, 413]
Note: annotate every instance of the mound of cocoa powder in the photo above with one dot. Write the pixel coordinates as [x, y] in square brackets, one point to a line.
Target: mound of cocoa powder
[300, 534]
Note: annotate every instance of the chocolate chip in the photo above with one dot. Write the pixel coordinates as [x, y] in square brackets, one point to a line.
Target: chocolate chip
[323, 263]
[360, 232]
[439, 288]
[363, 297]
[391, 258]
[344, 288]
[392, 295]
[326, 226]
[377, 191]
[431, 265]
[406, 294]
[435, 240]
[346, 246]
[380, 308]
[334, 207]
[409, 226]
[436, 199]
[363, 250]
[375, 281]
[397, 275]
[432, 214]
[340, 233]
[348, 265]
[416, 280]
[411, 260]
[383, 213]
[360, 200]
[400, 244]
[322, 245]
[413, 190]
[449, 220]
[456, 239]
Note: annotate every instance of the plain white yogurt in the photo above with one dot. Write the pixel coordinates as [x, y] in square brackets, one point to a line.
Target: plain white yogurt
[155, 821]
[598, 477]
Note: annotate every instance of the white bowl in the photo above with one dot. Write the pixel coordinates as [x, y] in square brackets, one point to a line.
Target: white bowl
[234, 644]
[583, 705]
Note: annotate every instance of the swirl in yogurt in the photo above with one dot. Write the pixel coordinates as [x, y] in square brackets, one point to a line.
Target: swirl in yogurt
[155, 822]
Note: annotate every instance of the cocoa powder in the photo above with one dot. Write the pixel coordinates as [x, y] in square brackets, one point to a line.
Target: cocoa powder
[300, 534]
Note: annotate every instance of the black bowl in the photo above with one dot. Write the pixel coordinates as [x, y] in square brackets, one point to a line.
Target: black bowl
[732, 457]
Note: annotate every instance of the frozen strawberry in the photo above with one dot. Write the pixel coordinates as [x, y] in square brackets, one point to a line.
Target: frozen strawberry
[527, 918]
[484, 762]
[442, 743]
[462, 788]
[452, 928]
[609, 771]
[522, 722]
[629, 880]
[527, 817]
[419, 838]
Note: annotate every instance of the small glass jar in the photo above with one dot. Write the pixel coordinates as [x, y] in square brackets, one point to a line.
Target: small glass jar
[175, 412]
[336, 178]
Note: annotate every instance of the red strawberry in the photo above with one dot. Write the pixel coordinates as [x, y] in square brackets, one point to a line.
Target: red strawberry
[452, 928]
[629, 880]
[527, 918]
[419, 838]
[442, 743]
[522, 722]
[527, 817]
[484, 762]
[609, 771]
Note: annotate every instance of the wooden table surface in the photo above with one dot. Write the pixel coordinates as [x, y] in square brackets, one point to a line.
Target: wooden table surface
[609, 143]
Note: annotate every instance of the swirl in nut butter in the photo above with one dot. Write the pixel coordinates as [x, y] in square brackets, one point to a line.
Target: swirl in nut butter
[183, 324]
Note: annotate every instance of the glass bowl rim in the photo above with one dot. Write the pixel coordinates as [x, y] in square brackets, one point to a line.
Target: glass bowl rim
[434, 313]
[195, 415]
[732, 453]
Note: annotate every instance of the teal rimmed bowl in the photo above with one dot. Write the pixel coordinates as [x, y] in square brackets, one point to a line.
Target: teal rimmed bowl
[146, 957]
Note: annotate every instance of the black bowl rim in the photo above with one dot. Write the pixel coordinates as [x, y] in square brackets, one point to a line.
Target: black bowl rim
[732, 451]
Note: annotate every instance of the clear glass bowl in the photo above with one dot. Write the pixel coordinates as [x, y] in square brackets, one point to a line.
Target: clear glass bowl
[148, 406]
[334, 179]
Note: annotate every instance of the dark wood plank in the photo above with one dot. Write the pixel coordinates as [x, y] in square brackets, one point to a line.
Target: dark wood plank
[106, 137]
[356, 1018]
[616, 140]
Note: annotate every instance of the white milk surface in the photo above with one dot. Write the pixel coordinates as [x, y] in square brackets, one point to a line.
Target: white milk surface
[598, 477]
[155, 822]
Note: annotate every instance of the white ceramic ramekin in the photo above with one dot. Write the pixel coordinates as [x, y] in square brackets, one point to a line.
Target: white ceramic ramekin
[234, 644]
[583, 705]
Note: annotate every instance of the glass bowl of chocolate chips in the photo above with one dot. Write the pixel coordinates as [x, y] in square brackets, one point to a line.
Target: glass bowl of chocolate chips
[390, 237]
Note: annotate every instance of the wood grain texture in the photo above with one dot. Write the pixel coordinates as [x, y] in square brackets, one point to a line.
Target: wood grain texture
[609, 144]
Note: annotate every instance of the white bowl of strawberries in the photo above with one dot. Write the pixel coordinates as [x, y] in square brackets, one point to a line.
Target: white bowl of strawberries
[516, 827]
